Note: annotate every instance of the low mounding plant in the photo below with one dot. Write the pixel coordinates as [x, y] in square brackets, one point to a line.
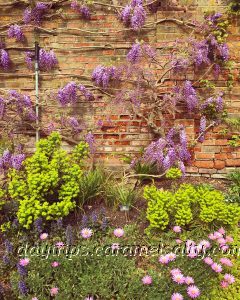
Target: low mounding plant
[233, 194]
[121, 194]
[189, 203]
[91, 185]
[48, 184]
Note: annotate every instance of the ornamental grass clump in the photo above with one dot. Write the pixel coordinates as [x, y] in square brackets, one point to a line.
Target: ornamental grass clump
[48, 184]
[187, 205]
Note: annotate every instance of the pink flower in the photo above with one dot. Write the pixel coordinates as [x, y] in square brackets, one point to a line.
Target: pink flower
[189, 280]
[178, 278]
[86, 233]
[218, 235]
[115, 246]
[118, 232]
[221, 241]
[177, 229]
[229, 239]
[55, 264]
[221, 230]
[24, 262]
[224, 248]
[193, 254]
[190, 243]
[216, 267]
[178, 241]
[147, 280]
[175, 271]
[208, 261]
[193, 291]
[171, 256]
[163, 259]
[59, 245]
[54, 291]
[212, 236]
[226, 261]
[43, 236]
[224, 284]
[176, 296]
[229, 278]
[34, 298]
[205, 244]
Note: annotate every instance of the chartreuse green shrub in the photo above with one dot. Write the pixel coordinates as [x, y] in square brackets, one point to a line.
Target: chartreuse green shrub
[187, 204]
[49, 182]
[173, 173]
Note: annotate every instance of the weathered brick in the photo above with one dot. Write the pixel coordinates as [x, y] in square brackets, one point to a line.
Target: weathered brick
[204, 164]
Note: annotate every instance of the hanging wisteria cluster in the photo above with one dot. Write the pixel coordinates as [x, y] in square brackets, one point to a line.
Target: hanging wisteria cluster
[69, 93]
[4, 59]
[9, 160]
[20, 103]
[134, 15]
[83, 10]
[36, 14]
[167, 152]
[47, 60]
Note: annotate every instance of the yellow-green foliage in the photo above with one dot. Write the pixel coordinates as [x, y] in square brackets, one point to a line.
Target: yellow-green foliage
[173, 173]
[187, 204]
[49, 183]
[2, 196]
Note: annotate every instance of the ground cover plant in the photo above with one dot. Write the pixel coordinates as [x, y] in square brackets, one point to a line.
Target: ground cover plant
[72, 229]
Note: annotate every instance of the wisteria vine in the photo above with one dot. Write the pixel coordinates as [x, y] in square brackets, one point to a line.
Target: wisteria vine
[132, 83]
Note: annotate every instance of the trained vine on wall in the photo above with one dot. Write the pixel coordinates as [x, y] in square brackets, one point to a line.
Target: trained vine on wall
[136, 85]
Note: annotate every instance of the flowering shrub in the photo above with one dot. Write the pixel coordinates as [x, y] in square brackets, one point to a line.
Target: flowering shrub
[188, 204]
[48, 185]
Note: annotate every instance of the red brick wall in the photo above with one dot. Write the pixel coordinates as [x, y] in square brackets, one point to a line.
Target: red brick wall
[79, 52]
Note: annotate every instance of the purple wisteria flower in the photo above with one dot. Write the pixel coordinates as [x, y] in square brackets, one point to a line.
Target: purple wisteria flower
[214, 102]
[89, 138]
[138, 17]
[202, 128]
[47, 60]
[17, 161]
[86, 93]
[224, 51]
[180, 63]
[103, 75]
[36, 14]
[4, 59]
[23, 104]
[15, 31]
[200, 52]
[134, 54]
[82, 9]
[190, 96]
[133, 15]
[125, 14]
[29, 57]
[68, 94]
[74, 124]
[149, 51]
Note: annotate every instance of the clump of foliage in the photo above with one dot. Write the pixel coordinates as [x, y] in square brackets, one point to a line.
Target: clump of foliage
[173, 173]
[189, 203]
[48, 185]
[91, 185]
[121, 194]
[233, 194]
